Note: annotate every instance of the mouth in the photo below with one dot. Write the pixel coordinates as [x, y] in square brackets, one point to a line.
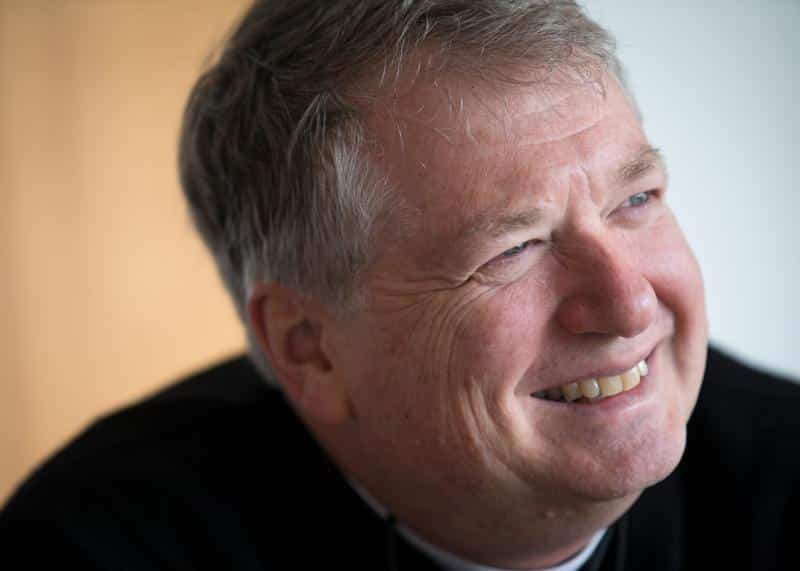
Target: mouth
[596, 389]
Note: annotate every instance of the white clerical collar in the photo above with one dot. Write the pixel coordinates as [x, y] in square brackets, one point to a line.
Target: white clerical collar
[452, 562]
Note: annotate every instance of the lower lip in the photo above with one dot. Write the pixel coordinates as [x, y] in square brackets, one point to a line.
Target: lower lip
[635, 397]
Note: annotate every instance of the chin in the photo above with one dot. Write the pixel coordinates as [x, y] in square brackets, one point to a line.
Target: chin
[630, 469]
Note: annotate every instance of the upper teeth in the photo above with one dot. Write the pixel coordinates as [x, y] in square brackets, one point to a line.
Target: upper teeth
[599, 388]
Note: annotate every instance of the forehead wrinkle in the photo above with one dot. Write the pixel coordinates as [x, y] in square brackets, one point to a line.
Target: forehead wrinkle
[484, 133]
[551, 115]
[461, 116]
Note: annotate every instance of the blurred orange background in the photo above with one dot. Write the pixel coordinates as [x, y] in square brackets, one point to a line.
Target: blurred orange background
[106, 291]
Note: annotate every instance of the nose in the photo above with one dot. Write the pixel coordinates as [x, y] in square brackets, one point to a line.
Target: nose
[607, 291]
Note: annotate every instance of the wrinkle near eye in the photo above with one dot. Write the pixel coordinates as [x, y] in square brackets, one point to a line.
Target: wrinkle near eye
[511, 264]
[413, 287]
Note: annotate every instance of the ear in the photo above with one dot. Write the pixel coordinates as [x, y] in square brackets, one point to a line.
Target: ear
[290, 330]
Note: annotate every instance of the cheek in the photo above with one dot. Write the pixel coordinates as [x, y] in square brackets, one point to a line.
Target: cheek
[472, 356]
[481, 357]
[676, 278]
[672, 270]
[502, 338]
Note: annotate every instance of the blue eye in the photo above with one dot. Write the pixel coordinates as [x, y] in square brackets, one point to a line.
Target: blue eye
[638, 199]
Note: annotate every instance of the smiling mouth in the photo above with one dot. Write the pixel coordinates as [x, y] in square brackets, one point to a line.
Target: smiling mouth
[588, 391]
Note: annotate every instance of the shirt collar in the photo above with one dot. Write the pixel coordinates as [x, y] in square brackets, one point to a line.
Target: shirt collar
[452, 562]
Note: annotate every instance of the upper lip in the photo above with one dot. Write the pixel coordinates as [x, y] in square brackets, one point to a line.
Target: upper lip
[610, 367]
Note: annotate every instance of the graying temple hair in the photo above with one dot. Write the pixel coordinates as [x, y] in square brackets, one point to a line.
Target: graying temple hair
[271, 150]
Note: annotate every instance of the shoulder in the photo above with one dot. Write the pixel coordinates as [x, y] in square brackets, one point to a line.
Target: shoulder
[725, 371]
[747, 418]
[746, 423]
[740, 470]
[753, 407]
[200, 472]
[208, 410]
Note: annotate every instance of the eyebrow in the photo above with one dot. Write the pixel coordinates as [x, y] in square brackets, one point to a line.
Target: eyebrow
[487, 223]
[648, 160]
[492, 225]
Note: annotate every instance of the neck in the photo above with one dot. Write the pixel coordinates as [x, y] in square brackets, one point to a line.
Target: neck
[508, 524]
[516, 540]
[449, 560]
[513, 531]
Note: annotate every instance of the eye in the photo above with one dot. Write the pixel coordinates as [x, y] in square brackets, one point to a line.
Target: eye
[638, 199]
[510, 264]
[518, 249]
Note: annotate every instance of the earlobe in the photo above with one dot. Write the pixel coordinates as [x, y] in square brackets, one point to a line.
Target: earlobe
[291, 334]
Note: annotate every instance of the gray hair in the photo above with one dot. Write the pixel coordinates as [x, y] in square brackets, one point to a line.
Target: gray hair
[272, 150]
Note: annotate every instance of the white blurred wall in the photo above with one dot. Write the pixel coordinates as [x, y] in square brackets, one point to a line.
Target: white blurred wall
[718, 84]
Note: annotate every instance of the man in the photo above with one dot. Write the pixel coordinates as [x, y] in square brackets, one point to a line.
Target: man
[448, 238]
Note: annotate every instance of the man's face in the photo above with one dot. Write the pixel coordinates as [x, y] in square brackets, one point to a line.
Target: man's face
[533, 248]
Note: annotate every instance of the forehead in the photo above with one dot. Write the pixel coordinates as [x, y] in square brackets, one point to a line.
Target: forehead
[462, 111]
[452, 147]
